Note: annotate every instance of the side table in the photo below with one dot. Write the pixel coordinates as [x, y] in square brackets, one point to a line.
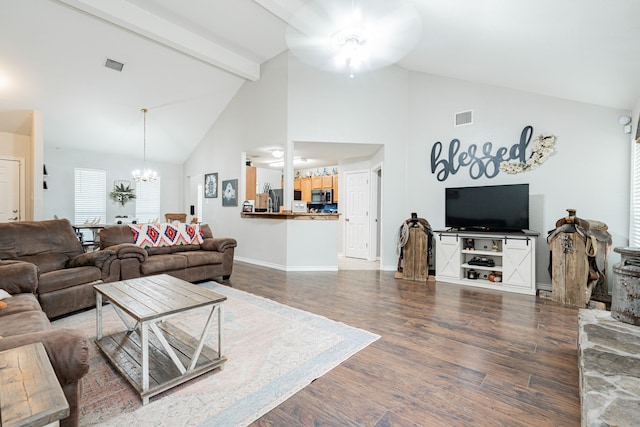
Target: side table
[30, 394]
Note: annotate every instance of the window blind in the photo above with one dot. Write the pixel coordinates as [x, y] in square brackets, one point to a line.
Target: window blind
[148, 202]
[634, 220]
[90, 196]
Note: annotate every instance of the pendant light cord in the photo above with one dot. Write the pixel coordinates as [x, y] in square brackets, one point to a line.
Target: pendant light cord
[144, 138]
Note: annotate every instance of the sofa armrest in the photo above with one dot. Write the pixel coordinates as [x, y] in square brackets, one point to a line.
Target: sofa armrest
[95, 258]
[68, 351]
[219, 244]
[128, 250]
[18, 277]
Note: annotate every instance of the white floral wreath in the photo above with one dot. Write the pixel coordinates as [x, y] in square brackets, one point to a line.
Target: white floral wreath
[543, 147]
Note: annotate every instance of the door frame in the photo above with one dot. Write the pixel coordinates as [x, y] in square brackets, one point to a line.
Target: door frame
[22, 183]
[375, 203]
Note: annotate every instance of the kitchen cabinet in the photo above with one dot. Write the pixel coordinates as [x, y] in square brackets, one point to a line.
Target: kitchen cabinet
[250, 188]
[305, 189]
[334, 187]
[327, 182]
[316, 183]
[510, 257]
[323, 182]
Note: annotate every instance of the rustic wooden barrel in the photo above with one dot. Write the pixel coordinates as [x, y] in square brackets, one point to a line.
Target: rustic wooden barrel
[625, 298]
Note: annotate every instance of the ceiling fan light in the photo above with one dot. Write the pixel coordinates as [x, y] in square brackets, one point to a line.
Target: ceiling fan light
[382, 32]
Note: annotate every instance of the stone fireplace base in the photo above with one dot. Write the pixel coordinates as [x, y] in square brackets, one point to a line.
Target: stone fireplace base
[609, 362]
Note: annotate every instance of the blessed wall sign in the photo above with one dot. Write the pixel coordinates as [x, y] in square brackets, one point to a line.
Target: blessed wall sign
[483, 161]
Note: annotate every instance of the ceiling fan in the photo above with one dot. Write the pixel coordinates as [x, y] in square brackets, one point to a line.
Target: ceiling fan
[353, 35]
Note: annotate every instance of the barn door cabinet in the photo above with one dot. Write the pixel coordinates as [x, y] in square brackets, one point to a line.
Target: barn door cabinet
[512, 256]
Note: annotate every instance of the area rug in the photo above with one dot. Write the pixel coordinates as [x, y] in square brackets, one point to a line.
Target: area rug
[273, 352]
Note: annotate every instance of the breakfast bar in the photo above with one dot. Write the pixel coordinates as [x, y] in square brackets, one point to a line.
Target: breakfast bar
[291, 241]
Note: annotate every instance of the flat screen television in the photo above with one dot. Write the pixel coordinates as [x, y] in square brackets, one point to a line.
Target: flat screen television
[488, 208]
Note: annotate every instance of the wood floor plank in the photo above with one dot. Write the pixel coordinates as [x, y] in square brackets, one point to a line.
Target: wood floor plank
[448, 355]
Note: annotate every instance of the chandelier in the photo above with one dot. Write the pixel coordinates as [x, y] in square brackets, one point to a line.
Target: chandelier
[144, 175]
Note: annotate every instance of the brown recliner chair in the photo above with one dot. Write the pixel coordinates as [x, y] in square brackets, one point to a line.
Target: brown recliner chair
[65, 274]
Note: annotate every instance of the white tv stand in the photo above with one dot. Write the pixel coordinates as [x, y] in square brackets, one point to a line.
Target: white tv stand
[514, 256]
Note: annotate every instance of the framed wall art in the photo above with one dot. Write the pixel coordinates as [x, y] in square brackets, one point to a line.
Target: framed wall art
[230, 192]
[211, 185]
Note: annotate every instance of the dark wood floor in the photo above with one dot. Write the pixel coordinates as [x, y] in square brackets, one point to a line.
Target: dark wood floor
[448, 356]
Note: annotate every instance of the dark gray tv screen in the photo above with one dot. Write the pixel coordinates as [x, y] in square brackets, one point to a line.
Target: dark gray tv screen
[488, 208]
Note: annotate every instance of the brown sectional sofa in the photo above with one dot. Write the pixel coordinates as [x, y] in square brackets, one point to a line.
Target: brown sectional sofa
[211, 259]
[23, 322]
[43, 267]
[65, 274]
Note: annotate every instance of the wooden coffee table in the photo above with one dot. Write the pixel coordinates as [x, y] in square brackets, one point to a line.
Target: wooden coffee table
[155, 362]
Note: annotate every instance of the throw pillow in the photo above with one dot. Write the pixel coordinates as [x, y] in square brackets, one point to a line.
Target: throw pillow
[4, 294]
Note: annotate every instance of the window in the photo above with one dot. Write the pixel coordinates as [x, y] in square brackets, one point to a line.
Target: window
[148, 202]
[634, 221]
[90, 196]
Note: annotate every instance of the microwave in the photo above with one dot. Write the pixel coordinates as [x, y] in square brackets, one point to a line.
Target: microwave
[322, 197]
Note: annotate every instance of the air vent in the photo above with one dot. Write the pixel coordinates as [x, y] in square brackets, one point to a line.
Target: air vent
[463, 118]
[114, 65]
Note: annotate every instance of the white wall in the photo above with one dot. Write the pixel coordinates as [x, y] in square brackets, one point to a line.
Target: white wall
[408, 112]
[371, 108]
[271, 176]
[589, 170]
[59, 198]
[255, 117]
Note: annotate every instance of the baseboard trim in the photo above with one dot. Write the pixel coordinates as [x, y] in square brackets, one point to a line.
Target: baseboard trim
[287, 268]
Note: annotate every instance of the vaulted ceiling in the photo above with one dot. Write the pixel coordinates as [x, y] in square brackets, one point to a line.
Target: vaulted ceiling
[185, 60]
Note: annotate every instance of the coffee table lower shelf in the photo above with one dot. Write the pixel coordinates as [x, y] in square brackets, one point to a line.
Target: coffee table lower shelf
[124, 350]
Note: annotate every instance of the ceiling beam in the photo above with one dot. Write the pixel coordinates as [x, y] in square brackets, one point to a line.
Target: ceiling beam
[141, 21]
[283, 9]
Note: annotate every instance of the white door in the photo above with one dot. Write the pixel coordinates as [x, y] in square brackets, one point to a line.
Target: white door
[357, 215]
[9, 190]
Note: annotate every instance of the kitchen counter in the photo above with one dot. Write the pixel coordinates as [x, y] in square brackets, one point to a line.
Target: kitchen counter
[289, 241]
[292, 215]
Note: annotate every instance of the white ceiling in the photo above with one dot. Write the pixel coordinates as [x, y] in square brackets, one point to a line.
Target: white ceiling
[184, 61]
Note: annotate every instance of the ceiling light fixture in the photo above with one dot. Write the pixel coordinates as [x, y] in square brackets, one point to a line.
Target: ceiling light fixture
[350, 43]
[277, 153]
[296, 162]
[331, 35]
[144, 175]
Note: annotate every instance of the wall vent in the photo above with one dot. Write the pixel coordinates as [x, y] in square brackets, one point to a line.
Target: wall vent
[114, 65]
[463, 118]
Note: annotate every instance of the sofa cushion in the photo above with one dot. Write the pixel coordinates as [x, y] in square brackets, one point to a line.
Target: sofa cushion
[114, 235]
[184, 248]
[24, 322]
[159, 250]
[23, 238]
[66, 278]
[46, 262]
[162, 263]
[19, 303]
[203, 258]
